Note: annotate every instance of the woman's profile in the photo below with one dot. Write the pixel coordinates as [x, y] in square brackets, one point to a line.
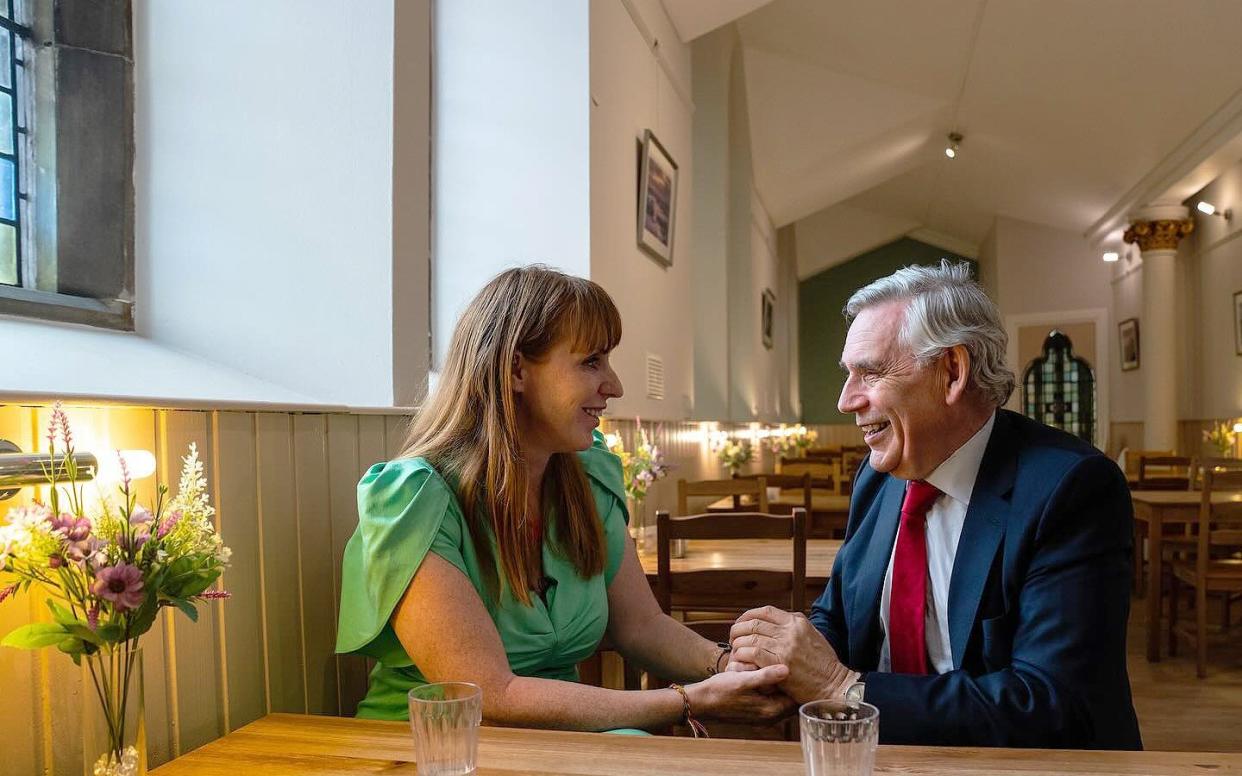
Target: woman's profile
[494, 549]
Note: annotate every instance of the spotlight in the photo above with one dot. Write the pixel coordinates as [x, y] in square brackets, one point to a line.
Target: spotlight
[1111, 256]
[955, 141]
[1207, 208]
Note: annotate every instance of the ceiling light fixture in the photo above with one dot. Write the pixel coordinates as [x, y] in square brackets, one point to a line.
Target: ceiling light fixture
[1111, 256]
[1207, 208]
[955, 140]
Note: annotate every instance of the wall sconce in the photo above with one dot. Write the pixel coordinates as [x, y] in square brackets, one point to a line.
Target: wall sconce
[18, 469]
[1208, 209]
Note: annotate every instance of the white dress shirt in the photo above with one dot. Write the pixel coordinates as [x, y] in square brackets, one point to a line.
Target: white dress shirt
[955, 478]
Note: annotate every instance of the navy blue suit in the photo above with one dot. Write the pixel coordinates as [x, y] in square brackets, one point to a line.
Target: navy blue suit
[1038, 601]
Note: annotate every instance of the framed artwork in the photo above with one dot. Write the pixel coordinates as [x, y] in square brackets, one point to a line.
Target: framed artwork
[657, 200]
[1237, 323]
[1128, 336]
[766, 316]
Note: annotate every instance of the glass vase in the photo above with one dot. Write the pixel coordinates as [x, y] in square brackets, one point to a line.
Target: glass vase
[114, 734]
[643, 538]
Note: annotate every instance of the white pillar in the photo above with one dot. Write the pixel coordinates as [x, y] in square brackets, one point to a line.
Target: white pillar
[1157, 231]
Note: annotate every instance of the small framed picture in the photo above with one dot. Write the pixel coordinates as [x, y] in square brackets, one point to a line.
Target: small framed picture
[1237, 323]
[1128, 336]
[657, 200]
[766, 316]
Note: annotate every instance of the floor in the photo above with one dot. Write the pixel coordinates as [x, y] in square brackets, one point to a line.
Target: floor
[1178, 712]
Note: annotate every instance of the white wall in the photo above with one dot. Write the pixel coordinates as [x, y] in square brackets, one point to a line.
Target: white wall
[1213, 259]
[263, 180]
[511, 177]
[1041, 268]
[633, 90]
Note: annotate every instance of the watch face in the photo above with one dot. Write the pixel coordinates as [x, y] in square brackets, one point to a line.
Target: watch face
[855, 692]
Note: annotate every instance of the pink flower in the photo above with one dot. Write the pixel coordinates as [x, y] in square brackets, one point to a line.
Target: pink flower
[74, 529]
[81, 551]
[168, 523]
[121, 584]
[139, 516]
[209, 595]
[5, 592]
[124, 469]
[92, 617]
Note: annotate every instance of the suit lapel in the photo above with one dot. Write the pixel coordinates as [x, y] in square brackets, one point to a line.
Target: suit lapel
[865, 622]
[982, 531]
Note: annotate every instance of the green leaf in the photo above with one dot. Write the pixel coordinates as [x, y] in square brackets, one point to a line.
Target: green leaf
[60, 613]
[35, 635]
[141, 620]
[110, 633]
[188, 608]
[71, 646]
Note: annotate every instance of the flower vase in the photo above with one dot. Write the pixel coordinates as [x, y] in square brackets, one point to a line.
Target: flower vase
[638, 525]
[114, 734]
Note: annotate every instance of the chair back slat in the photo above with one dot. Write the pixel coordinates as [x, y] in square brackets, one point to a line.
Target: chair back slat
[1164, 472]
[731, 589]
[1217, 522]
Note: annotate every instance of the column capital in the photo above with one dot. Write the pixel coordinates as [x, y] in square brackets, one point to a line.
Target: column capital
[1160, 234]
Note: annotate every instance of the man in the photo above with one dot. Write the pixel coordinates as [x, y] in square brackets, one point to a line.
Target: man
[982, 592]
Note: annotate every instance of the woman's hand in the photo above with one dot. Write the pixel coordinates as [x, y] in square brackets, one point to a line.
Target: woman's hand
[741, 696]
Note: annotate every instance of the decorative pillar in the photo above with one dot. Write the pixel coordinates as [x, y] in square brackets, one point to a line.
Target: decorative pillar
[1157, 231]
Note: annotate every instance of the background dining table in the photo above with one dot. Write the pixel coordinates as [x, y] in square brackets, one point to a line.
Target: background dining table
[771, 554]
[829, 511]
[1156, 509]
[301, 745]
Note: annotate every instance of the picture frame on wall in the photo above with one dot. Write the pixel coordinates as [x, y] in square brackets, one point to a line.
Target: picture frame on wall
[657, 200]
[1237, 323]
[1128, 337]
[767, 316]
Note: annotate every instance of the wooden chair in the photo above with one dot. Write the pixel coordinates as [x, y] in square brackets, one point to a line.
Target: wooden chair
[1164, 472]
[1212, 570]
[819, 469]
[731, 590]
[1132, 458]
[756, 489]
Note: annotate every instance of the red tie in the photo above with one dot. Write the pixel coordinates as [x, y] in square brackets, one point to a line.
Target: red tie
[907, 642]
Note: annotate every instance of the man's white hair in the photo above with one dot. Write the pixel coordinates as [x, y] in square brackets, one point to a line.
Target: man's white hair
[947, 308]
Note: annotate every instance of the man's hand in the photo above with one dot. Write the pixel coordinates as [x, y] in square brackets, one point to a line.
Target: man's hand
[768, 636]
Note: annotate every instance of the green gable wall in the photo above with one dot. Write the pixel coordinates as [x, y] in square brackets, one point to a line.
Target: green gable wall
[821, 327]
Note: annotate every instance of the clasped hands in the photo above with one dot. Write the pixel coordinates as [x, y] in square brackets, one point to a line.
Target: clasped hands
[769, 636]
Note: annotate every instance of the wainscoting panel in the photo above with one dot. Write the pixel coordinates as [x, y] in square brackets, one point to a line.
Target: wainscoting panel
[283, 486]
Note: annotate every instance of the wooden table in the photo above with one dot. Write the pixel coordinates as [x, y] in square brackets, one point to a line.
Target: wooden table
[1156, 509]
[829, 511]
[295, 745]
[773, 554]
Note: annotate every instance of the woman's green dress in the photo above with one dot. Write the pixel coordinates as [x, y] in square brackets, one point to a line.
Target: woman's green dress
[406, 510]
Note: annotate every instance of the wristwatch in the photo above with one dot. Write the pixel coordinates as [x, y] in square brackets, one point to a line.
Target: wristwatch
[854, 693]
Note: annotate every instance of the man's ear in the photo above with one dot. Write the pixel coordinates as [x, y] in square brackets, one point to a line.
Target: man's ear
[957, 373]
[518, 373]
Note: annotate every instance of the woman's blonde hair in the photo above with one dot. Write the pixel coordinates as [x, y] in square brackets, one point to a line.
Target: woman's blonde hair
[468, 427]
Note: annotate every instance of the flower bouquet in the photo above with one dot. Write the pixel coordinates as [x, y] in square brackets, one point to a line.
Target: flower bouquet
[638, 470]
[1221, 437]
[109, 569]
[733, 455]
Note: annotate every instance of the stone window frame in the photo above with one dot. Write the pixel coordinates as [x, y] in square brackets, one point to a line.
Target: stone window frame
[82, 188]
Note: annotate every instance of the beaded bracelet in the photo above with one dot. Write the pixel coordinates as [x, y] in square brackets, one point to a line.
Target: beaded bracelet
[696, 727]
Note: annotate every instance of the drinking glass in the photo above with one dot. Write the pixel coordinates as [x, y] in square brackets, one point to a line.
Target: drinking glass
[445, 718]
[839, 737]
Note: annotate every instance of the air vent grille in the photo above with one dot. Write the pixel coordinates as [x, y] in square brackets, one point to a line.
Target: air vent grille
[655, 377]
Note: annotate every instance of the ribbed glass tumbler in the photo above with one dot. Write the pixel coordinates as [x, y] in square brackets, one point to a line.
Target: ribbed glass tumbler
[839, 737]
[445, 718]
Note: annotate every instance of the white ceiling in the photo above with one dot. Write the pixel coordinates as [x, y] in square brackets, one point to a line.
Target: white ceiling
[1065, 104]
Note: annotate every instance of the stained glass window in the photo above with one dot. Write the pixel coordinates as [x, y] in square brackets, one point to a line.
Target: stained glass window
[1058, 388]
[14, 142]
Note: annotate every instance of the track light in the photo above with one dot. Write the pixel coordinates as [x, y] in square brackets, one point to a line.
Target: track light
[1207, 208]
[955, 141]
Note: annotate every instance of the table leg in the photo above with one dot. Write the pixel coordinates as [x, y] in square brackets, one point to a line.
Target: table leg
[1154, 577]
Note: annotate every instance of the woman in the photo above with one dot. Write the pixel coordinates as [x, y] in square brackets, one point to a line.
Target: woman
[494, 549]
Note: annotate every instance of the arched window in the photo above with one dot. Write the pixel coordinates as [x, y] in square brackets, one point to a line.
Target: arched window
[1058, 388]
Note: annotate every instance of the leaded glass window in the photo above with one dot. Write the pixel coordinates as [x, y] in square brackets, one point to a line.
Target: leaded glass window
[15, 146]
[1058, 388]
